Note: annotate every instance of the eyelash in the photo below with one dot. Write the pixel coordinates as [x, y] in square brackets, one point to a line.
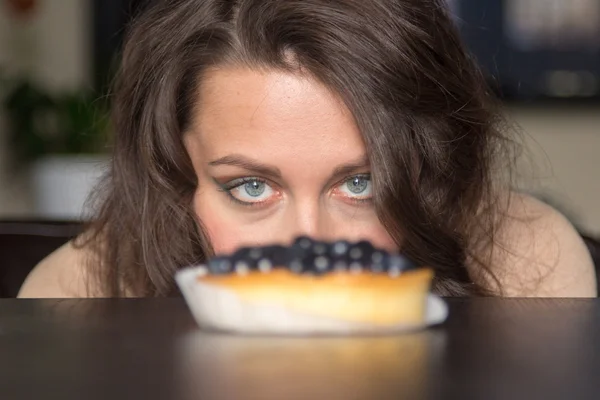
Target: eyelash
[228, 187]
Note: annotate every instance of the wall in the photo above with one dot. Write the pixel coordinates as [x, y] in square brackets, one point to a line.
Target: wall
[53, 45]
[564, 147]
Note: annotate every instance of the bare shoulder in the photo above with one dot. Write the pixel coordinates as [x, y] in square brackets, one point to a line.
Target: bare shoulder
[539, 253]
[60, 275]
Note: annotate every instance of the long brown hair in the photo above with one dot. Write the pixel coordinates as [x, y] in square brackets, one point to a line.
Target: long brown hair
[423, 107]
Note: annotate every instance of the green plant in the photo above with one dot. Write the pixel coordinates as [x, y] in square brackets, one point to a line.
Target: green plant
[42, 123]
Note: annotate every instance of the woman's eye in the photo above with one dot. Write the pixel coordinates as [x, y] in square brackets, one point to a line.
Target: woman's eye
[249, 190]
[358, 187]
[255, 191]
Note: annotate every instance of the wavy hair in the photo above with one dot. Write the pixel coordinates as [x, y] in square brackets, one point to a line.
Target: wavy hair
[428, 119]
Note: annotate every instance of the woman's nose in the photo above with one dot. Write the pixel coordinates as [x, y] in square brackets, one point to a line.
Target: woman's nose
[311, 220]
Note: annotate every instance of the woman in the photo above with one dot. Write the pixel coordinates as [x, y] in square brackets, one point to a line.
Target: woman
[253, 121]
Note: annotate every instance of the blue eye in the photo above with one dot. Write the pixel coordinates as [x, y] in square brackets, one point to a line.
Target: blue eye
[357, 184]
[358, 187]
[254, 188]
[248, 191]
[252, 191]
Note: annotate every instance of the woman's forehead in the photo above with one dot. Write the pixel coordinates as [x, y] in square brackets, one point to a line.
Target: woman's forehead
[271, 114]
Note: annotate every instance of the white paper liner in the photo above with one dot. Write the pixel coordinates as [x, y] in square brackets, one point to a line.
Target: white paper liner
[221, 309]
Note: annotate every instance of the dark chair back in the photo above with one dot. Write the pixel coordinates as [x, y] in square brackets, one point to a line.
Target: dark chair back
[23, 244]
[593, 246]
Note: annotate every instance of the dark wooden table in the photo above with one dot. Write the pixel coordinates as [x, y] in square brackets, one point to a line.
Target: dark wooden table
[151, 349]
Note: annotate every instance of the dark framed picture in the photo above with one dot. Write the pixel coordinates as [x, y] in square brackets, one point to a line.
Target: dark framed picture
[110, 19]
[535, 50]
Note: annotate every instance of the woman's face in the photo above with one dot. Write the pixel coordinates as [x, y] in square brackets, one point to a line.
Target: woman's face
[277, 155]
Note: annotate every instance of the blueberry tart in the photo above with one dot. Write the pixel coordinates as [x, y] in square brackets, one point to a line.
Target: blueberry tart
[311, 287]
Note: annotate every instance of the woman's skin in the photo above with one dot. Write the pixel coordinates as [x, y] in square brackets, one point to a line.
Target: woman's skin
[317, 182]
[278, 155]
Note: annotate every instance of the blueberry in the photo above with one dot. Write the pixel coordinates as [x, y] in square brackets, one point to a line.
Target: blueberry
[219, 265]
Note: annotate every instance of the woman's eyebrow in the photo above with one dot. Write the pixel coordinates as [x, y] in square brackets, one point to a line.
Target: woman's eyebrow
[238, 160]
[350, 167]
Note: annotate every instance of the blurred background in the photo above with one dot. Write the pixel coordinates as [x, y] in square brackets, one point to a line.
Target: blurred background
[57, 57]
